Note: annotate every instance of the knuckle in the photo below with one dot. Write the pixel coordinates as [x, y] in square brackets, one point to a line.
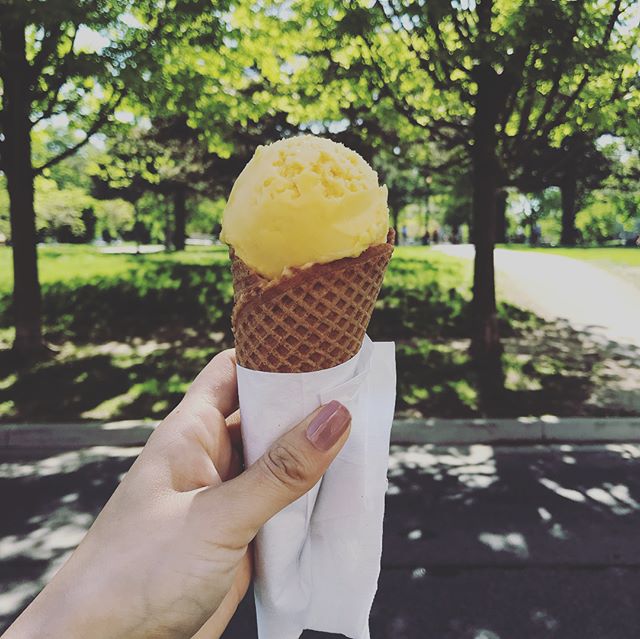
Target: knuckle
[286, 465]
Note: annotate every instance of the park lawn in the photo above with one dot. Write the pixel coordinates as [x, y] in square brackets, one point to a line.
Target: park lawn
[132, 331]
[65, 262]
[619, 256]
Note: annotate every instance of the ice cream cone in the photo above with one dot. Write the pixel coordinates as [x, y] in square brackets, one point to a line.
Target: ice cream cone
[309, 319]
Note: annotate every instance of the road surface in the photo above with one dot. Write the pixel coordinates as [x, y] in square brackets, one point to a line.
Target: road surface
[557, 287]
[481, 542]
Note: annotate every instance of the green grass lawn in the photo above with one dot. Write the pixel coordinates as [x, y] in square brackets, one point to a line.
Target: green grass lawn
[68, 262]
[619, 256]
[132, 331]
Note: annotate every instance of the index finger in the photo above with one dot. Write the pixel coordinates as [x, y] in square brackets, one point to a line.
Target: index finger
[217, 383]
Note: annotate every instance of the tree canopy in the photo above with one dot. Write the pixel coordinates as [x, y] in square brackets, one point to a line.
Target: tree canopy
[456, 103]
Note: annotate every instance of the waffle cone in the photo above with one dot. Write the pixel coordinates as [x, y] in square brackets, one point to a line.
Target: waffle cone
[310, 319]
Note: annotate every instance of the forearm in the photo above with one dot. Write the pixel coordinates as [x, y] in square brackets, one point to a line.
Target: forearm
[55, 613]
[79, 602]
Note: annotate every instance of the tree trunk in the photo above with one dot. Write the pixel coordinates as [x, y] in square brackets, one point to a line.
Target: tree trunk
[168, 224]
[16, 108]
[394, 218]
[501, 217]
[180, 219]
[485, 338]
[427, 211]
[568, 192]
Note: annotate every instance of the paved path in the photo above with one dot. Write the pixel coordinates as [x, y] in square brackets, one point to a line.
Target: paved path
[558, 287]
[481, 542]
[133, 250]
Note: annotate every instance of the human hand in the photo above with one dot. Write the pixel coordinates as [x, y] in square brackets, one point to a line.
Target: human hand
[169, 551]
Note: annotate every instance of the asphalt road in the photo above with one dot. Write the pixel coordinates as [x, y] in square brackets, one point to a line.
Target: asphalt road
[481, 542]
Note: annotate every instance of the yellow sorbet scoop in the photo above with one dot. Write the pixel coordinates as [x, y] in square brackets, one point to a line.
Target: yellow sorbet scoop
[301, 201]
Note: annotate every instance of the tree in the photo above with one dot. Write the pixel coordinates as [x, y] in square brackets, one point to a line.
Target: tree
[166, 158]
[59, 211]
[64, 207]
[77, 60]
[494, 78]
[173, 160]
[613, 211]
[577, 167]
[534, 210]
[199, 122]
[111, 217]
[5, 231]
[406, 182]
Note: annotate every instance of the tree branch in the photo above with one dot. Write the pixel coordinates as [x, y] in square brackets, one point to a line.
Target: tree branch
[98, 123]
[613, 18]
[447, 55]
[568, 103]
[60, 77]
[456, 160]
[516, 75]
[49, 42]
[484, 9]
[569, 100]
[424, 63]
[559, 70]
[436, 128]
[440, 71]
[525, 113]
[463, 32]
[105, 110]
[65, 106]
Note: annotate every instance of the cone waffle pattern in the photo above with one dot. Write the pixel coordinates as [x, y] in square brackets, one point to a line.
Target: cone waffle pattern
[311, 319]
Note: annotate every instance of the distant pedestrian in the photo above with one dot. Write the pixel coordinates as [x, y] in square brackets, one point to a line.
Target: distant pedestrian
[536, 234]
[405, 234]
[426, 238]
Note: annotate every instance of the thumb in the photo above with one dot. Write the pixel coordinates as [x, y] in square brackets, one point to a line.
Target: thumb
[291, 467]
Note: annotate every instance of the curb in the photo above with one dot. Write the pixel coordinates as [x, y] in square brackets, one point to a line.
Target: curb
[521, 430]
[518, 431]
[76, 435]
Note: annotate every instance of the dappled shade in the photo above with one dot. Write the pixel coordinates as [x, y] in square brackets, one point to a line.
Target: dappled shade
[135, 330]
[480, 541]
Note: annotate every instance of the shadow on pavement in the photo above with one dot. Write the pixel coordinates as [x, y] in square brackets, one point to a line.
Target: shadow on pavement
[48, 502]
[481, 542]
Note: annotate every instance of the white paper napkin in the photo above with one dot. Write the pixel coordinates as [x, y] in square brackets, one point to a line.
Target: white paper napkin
[317, 562]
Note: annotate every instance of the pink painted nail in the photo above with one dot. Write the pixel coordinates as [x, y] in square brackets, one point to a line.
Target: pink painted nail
[328, 425]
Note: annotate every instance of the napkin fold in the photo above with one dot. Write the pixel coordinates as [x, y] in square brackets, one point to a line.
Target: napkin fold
[317, 562]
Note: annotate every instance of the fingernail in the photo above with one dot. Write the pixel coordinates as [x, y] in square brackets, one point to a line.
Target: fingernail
[328, 425]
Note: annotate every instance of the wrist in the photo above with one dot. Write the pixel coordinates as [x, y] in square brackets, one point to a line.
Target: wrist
[74, 605]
